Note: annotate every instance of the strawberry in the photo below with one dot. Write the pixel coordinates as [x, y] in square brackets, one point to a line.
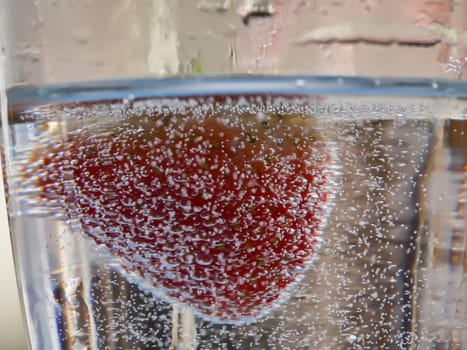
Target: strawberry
[216, 203]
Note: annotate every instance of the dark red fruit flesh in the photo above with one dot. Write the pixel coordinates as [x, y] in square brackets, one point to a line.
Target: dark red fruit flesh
[217, 209]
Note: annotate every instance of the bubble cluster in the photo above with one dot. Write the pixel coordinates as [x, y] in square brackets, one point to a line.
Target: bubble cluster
[214, 202]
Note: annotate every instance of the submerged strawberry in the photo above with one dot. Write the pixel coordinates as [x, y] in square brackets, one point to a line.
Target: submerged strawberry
[216, 207]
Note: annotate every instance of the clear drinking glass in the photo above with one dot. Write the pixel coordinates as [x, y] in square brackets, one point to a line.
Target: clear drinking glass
[237, 174]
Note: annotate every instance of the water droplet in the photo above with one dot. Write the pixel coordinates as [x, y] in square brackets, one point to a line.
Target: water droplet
[300, 83]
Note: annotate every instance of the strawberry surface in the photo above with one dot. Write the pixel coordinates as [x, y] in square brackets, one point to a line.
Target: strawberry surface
[217, 208]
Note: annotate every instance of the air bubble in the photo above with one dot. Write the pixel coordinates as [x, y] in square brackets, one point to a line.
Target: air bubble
[204, 260]
[351, 338]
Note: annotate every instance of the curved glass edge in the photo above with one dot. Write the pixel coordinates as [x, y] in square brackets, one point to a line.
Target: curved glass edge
[205, 86]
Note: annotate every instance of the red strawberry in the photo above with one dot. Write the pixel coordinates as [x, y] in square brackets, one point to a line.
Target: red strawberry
[217, 206]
